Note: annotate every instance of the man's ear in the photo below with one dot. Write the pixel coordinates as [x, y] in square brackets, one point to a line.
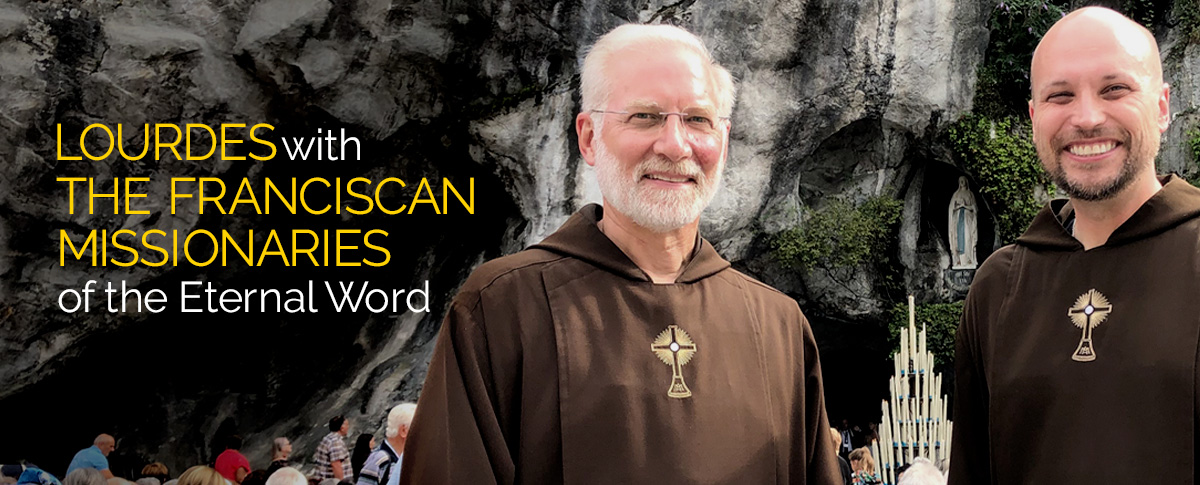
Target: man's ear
[585, 128]
[1164, 108]
[403, 431]
[728, 126]
[1031, 112]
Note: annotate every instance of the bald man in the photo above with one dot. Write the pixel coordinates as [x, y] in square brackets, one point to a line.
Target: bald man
[95, 456]
[1076, 359]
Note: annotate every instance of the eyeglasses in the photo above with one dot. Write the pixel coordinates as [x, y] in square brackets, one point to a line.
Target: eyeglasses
[697, 122]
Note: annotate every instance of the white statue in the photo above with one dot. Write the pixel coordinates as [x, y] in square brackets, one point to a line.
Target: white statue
[962, 228]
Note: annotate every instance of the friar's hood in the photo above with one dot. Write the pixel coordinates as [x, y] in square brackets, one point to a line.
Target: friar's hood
[1176, 203]
[580, 238]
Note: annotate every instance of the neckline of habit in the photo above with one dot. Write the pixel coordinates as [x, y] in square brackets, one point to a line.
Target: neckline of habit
[579, 237]
[1175, 204]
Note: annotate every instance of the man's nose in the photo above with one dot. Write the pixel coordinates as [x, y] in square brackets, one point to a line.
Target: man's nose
[674, 142]
[1089, 113]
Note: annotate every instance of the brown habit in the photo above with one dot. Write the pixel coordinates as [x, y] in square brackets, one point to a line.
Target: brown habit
[1027, 410]
[544, 373]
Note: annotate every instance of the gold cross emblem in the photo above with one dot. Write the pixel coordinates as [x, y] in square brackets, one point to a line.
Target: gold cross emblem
[675, 348]
[1090, 310]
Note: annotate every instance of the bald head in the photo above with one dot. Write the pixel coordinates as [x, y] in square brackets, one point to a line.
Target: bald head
[106, 443]
[1099, 106]
[1089, 31]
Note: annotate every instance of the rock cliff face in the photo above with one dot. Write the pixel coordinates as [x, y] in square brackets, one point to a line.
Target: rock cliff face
[838, 100]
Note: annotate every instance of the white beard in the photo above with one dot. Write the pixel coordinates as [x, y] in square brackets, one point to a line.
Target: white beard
[658, 210]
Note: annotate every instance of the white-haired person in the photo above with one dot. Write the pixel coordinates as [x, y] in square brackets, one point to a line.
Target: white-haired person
[382, 467]
[922, 472]
[281, 450]
[623, 348]
[287, 476]
[85, 476]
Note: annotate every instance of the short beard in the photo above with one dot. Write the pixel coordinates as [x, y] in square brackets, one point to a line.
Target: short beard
[1094, 194]
[1138, 154]
[659, 211]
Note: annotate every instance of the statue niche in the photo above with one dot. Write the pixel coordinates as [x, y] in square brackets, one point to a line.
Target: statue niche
[963, 230]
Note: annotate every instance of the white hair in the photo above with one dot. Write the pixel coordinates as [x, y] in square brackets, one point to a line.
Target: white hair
[278, 445]
[400, 415]
[147, 481]
[287, 476]
[922, 472]
[85, 476]
[595, 86]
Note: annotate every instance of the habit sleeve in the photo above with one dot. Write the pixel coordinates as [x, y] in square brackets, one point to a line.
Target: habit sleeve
[970, 456]
[456, 436]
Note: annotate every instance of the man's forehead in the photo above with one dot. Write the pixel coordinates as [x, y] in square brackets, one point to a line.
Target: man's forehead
[1096, 37]
[652, 104]
[641, 70]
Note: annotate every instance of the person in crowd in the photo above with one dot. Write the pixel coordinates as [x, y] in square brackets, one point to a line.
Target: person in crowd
[281, 450]
[231, 463]
[1091, 313]
[10, 473]
[843, 465]
[848, 437]
[201, 475]
[147, 481]
[85, 476]
[256, 477]
[863, 465]
[332, 457]
[95, 456]
[384, 464]
[921, 472]
[287, 476]
[363, 447]
[624, 311]
[36, 476]
[157, 470]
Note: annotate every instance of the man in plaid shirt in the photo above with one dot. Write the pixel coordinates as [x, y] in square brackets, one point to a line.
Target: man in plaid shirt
[332, 457]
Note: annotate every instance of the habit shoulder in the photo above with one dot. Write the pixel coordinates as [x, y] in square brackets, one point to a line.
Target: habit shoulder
[565, 363]
[580, 241]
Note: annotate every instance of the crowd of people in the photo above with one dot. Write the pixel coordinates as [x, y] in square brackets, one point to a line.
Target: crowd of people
[858, 465]
[372, 462]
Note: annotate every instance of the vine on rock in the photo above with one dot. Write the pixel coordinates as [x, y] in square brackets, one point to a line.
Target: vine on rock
[840, 235]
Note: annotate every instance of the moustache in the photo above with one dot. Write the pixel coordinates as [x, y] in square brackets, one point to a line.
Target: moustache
[689, 169]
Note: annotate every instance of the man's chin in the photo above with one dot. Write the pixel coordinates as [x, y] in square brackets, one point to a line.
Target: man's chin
[1094, 190]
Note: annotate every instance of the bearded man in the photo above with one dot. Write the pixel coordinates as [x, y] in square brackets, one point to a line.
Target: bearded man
[623, 349]
[1076, 358]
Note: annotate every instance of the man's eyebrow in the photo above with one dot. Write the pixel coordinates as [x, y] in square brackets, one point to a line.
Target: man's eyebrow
[643, 104]
[1063, 83]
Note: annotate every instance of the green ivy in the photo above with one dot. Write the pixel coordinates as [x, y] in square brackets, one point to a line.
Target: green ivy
[1016, 26]
[840, 235]
[1001, 156]
[1193, 143]
[1143, 11]
[1188, 12]
[941, 323]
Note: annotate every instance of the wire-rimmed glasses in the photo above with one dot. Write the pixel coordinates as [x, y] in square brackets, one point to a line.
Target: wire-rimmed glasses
[698, 122]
